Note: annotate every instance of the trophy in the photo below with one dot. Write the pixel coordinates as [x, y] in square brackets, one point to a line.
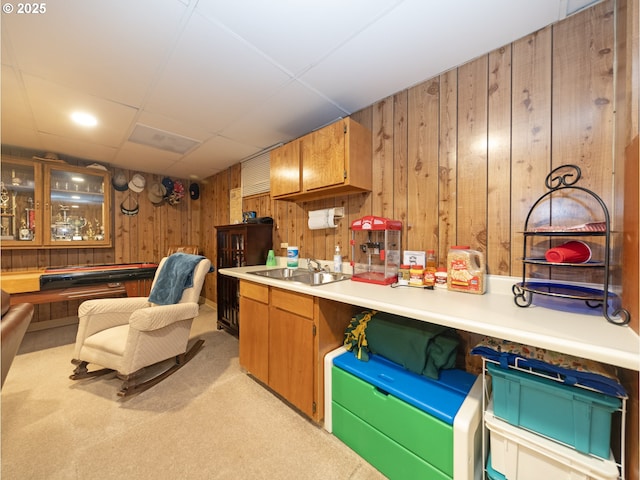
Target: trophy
[4, 199]
[78, 223]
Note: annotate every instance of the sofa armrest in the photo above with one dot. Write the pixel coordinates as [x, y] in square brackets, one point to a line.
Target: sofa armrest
[14, 325]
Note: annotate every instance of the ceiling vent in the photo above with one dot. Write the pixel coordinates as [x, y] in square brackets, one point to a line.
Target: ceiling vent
[162, 140]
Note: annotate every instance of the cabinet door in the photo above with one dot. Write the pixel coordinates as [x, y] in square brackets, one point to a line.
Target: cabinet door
[77, 209]
[291, 358]
[21, 204]
[254, 327]
[228, 303]
[231, 246]
[285, 171]
[323, 157]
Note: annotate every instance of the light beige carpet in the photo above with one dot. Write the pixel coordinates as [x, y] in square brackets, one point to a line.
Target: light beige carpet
[207, 421]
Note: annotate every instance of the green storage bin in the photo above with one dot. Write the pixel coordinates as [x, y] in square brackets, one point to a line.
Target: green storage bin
[390, 458]
[416, 431]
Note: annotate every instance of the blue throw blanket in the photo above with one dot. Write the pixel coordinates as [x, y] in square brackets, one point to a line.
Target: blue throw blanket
[176, 275]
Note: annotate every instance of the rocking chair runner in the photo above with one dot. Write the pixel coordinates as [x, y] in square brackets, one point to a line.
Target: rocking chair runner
[126, 335]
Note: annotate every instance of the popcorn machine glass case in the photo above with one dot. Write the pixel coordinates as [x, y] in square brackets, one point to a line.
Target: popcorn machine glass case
[375, 250]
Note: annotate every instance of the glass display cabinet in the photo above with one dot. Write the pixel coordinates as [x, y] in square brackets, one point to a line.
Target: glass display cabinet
[53, 205]
[75, 206]
[20, 204]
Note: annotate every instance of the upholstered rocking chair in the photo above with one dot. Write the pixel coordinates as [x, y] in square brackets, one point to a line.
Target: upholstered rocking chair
[128, 335]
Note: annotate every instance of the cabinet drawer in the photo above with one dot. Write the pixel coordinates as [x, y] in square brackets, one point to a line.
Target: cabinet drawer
[392, 459]
[254, 291]
[297, 303]
[426, 436]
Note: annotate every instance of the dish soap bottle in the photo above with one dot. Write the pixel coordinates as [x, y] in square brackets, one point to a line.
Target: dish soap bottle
[337, 260]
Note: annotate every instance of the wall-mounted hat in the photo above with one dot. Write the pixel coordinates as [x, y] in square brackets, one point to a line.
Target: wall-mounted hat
[194, 191]
[168, 185]
[97, 166]
[137, 183]
[131, 208]
[156, 193]
[119, 182]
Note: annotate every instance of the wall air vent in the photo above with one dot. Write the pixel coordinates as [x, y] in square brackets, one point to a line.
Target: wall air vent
[162, 140]
[255, 172]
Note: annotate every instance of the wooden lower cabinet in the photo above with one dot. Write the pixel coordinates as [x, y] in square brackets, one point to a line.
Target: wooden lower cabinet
[284, 338]
[254, 318]
[291, 358]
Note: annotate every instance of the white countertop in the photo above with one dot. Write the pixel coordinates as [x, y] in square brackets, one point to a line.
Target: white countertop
[584, 334]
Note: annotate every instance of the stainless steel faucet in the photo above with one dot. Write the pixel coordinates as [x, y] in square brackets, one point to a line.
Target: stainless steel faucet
[317, 268]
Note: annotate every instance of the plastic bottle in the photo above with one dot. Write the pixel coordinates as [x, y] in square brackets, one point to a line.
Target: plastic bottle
[416, 276]
[337, 260]
[404, 274]
[430, 269]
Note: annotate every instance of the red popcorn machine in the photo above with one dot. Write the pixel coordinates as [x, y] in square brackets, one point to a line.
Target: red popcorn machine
[375, 249]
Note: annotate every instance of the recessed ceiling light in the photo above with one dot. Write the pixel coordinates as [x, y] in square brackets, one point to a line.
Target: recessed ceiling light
[84, 119]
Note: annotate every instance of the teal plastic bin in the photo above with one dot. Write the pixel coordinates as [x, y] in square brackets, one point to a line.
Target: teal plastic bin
[571, 415]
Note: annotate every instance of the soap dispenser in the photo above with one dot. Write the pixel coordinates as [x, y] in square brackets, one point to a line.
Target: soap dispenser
[337, 260]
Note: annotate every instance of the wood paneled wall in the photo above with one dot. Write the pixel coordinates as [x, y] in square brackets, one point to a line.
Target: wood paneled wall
[461, 158]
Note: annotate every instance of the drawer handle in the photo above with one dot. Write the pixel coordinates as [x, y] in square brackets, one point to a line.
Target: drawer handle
[380, 391]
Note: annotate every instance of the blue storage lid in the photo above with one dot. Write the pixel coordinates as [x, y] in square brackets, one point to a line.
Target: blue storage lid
[441, 398]
[555, 388]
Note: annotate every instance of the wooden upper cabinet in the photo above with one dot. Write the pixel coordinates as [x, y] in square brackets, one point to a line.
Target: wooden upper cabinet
[334, 160]
[286, 172]
[324, 155]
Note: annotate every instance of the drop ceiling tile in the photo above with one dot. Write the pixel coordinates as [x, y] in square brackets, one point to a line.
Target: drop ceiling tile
[112, 49]
[213, 156]
[368, 74]
[53, 104]
[19, 137]
[6, 55]
[295, 34]
[78, 148]
[294, 111]
[142, 158]
[172, 125]
[15, 109]
[212, 78]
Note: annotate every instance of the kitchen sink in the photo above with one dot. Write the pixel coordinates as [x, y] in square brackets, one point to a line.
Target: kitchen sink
[302, 276]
